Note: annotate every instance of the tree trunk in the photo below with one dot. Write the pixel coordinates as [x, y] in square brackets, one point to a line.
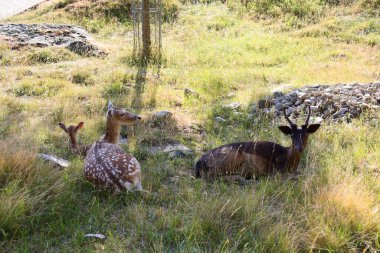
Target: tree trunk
[146, 29]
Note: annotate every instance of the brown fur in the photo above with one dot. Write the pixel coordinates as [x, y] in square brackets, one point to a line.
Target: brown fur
[250, 159]
[72, 132]
[106, 164]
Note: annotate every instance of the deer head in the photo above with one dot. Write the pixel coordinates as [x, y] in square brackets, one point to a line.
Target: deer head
[120, 115]
[72, 132]
[299, 135]
[116, 117]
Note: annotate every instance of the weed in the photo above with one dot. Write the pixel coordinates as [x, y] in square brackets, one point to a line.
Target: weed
[45, 56]
[82, 78]
[226, 56]
[33, 87]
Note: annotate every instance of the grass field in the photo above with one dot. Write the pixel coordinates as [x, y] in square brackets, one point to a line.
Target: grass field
[215, 49]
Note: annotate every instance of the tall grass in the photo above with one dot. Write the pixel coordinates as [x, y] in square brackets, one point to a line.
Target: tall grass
[331, 206]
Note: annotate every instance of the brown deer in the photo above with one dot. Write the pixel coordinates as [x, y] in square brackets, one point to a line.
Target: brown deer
[251, 159]
[108, 165]
[72, 132]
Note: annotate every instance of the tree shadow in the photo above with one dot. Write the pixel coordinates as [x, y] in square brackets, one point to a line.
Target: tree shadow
[141, 83]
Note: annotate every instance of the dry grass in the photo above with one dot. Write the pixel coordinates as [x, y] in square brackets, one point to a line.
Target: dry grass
[332, 207]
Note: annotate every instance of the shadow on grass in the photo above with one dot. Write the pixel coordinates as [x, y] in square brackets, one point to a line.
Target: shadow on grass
[141, 83]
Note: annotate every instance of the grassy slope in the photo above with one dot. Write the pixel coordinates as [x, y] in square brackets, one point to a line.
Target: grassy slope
[334, 205]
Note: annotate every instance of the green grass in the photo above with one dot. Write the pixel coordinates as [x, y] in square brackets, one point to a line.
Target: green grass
[215, 50]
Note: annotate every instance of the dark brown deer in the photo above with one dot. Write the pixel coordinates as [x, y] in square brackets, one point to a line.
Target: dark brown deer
[72, 133]
[106, 164]
[252, 159]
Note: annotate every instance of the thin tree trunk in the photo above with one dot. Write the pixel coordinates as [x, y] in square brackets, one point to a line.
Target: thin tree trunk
[146, 29]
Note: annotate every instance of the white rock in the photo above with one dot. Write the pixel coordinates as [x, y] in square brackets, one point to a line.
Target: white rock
[98, 236]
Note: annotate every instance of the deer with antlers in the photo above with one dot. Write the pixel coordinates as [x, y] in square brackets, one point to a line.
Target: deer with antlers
[251, 159]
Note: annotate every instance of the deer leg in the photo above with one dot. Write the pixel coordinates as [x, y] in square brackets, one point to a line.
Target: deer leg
[128, 185]
[138, 185]
[116, 190]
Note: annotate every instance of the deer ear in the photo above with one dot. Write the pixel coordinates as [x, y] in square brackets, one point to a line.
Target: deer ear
[313, 128]
[79, 126]
[110, 105]
[285, 129]
[61, 125]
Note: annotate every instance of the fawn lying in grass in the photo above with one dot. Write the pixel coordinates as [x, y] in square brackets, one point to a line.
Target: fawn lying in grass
[72, 131]
[106, 164]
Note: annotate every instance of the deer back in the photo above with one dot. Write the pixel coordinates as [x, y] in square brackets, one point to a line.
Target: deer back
[109, 166]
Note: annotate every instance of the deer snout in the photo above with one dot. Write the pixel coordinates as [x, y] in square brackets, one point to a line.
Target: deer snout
[299, 149]
[138, 117]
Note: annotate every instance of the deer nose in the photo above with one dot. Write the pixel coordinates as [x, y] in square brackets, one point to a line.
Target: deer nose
[138, 117]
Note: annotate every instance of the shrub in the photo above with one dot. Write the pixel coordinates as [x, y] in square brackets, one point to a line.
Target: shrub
[371, 6]
[49, 55]
[31, 88]
[82, 78]
[119, 10]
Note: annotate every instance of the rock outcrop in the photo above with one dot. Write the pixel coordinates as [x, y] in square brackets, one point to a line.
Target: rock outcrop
[326, 101]
[75, 38]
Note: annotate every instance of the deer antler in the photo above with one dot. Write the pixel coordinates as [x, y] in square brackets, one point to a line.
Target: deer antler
[308, 117]
[287, 119]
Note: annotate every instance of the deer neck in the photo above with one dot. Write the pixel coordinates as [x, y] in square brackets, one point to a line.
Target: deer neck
[73, 141]
[112, 131]
[293, 158]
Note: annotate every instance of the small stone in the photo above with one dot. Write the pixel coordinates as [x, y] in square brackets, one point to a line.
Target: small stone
[97, 236]
[341, 112]
[367, 97]
[177, 154]
[173, 150]
[230, 95]
[308, 101]
[302, 95]
[233, 106]
[287, 105]
[190, 93]
[278, 106]
[277, 94]
[359, 95]
[314, 108]
[354, 112]
[254, 109]
[219, 120]
[298, 102]
[59, 162]
[289, 111]
[317, 120]
[84, 48]
[162, 115]
[292, 94]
